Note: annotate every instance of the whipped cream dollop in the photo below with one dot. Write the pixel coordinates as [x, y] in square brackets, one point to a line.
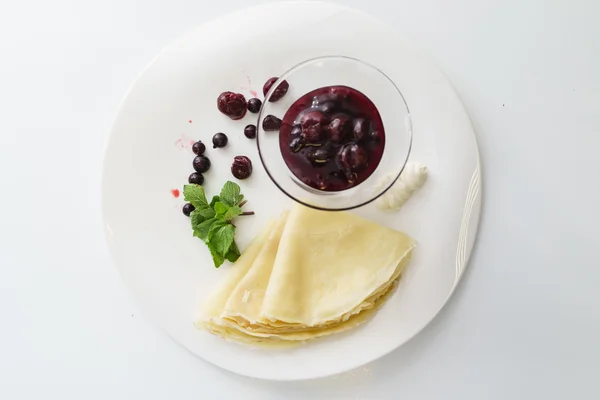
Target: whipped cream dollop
[412, 178]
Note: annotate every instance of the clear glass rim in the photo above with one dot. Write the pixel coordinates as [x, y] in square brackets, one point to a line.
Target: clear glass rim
[281, 78]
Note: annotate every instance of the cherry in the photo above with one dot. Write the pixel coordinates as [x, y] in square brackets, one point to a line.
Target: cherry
[232, 104]
[360, 128]
[271, 123]
[339, 128]
[353, 158]
[277, 93]
[312, 124]
[241, 167]
[328, 107]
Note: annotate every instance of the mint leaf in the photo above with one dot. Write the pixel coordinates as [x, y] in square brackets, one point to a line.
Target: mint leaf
[217, 223]
[231, 256]
[207, 212]
[218, 259]
[226, 213]
[221, 209]
[234, 248]
[230, 194]
[220, 237]
[211, 221]
[231, 213]
[196, 218]
[201, 230]
[214, 200]
[195, 195]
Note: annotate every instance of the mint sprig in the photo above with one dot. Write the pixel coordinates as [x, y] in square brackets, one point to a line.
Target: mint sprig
[211, 222]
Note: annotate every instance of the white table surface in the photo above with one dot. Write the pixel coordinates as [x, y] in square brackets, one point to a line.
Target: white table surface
[525, 321]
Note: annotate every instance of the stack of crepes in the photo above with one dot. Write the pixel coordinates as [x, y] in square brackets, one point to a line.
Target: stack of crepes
[308, 274]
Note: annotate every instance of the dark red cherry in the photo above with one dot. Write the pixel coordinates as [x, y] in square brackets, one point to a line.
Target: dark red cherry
[241, 167]
[271, 123]
[313, 124]
[232, 104]
[353, 158]
[339, 128]
[279, 92]
[360, 128]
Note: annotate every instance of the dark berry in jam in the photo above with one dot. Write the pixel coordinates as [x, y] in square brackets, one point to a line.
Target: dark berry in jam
[376, 136]
[296, 144]
[339, 128]
[313, 126]
[296, 131]
[250, 131]
[187, 209]
[198, 148]
[332, 138]
[279, 92]
[318, 156]
[232, 104]
[271, 123]
[353, 158]
[219, 140]
[241, 167]
[360, 128]
[254, 105]
[196, 178]
[327, 108]
[201, 164]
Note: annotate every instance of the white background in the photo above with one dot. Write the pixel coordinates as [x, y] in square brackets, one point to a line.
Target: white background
[525, 321]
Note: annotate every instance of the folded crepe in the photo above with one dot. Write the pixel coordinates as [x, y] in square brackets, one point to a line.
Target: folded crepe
[309, 274]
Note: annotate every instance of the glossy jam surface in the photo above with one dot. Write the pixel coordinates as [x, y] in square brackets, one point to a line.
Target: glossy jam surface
[332, 138]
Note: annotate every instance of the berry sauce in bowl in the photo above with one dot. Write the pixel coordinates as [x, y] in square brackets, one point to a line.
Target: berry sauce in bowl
[332, 138]
[329, 131]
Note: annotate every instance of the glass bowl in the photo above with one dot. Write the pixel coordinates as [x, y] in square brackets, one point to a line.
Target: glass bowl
[321, 72]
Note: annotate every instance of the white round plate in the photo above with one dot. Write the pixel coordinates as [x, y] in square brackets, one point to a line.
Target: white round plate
[173, 103]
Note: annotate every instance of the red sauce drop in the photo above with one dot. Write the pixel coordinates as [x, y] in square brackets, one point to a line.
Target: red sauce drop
[190, 121]
[175, 192]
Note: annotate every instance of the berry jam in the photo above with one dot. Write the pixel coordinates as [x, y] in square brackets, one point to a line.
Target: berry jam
[332, 138]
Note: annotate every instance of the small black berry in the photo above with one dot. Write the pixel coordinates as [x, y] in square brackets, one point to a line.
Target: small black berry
[187, 209]
[196, 178]
[250, 131]
[198, 148]
[254, 105]
[201, 164]
[219, 140]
